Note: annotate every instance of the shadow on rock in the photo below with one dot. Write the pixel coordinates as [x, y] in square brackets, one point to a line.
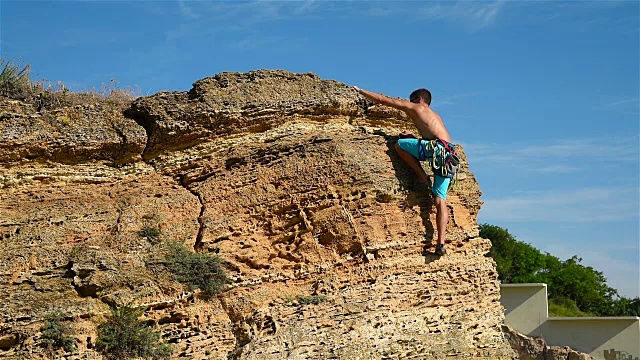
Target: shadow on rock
[419, 195]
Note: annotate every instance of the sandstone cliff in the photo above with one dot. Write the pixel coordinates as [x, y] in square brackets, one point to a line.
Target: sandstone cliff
[291, 179]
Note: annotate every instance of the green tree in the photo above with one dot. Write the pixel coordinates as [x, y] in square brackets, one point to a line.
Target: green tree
[625, 307]
[516, 261]
[574, 289]
[584, 285]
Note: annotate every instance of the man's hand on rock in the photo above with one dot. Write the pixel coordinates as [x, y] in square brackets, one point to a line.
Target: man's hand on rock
[358, 89]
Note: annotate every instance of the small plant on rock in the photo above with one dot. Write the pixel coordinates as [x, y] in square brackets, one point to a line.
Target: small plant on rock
[199, 270]
[16, 83]
[124, 336]
[152, 233]
[55, 333]
[14, 79]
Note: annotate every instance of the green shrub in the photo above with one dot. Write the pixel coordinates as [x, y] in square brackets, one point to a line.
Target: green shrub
[124, 336]
[152, 233]
[11, 73]
[306, 300]
[564, 307]
[55, 333]
[14, 80]
[196, 269]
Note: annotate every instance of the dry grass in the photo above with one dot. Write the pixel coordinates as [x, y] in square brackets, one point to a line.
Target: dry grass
[54, 96]
[15, 83]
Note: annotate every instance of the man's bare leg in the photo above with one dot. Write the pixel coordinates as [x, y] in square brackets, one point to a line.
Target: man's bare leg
[442, 217]
[413, 163]
[442, 213]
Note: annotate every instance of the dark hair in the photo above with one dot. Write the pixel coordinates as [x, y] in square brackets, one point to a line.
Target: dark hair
[421, 93]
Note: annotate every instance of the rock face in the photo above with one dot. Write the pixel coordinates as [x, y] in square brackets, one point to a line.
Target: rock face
[537, 349]
[68, 135]
[290, 179]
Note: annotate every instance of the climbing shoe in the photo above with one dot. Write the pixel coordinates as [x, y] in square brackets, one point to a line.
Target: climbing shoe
[440, 250]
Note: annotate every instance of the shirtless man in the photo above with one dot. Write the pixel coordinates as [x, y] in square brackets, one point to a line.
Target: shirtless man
[431, 127]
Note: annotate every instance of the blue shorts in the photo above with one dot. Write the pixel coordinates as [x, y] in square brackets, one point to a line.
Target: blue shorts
[412, 146]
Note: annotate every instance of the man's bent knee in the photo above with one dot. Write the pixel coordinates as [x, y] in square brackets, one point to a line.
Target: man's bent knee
[411, 146]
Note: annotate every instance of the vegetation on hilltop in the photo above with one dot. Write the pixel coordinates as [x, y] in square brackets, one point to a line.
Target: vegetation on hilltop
[573, 289]
[16, 83]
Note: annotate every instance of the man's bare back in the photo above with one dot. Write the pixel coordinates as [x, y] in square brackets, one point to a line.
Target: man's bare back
[428, 122]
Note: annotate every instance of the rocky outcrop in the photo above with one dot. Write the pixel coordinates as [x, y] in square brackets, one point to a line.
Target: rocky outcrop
[293, 182]
[236, 103]
[529, 348]
[69, 135]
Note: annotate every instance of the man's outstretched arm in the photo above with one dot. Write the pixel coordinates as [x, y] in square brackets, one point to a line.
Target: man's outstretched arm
[385, 100]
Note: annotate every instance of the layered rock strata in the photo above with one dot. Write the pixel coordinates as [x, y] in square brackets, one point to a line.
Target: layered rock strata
[292, 180]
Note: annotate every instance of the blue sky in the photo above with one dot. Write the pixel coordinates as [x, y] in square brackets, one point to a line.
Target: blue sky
[543, 95]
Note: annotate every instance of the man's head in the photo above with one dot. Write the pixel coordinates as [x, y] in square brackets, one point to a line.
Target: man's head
[423, 94]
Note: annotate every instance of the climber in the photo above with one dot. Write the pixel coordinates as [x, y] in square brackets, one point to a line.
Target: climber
[413, 150]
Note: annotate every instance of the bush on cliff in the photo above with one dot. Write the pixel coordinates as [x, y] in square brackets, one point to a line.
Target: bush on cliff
[198, 270]
[151, 233]
[124, 336]
[55, 333]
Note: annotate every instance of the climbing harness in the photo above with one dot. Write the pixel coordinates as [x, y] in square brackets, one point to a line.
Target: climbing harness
[441, 156]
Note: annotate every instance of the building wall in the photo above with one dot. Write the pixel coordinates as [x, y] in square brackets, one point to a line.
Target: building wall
[525, 305]
[604, 338]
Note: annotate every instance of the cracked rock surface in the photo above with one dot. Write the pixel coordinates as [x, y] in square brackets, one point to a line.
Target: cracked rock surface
[292, 180]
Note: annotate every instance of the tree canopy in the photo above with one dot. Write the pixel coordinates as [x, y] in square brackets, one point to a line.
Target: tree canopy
[573, 289]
